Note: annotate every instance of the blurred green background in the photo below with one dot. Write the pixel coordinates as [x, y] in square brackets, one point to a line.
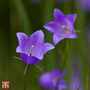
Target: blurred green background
[27, 16]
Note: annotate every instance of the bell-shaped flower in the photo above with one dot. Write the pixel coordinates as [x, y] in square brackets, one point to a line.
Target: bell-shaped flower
[33, 48]
[84, 4]
[49, 79]
[62, 27]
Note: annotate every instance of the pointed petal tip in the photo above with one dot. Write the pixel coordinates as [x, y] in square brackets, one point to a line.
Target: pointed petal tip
[17, 34]
[58, 15]
[47, 47]
[56, 39]
[45, 26]
[56, 9]
[55, 42]
[40, 32]
[21, 34]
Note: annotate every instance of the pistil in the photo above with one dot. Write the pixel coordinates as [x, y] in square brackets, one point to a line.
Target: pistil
[66, 30]
[54, 80]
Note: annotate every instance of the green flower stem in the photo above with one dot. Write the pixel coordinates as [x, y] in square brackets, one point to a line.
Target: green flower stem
[67, 48]
[65, 51]
[27, 67]
[58, 81]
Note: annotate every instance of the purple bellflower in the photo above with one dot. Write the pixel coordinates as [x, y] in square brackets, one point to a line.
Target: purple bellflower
[62, 27]
[33, 48]
[36, 1]
[49, 79]
[85, 5]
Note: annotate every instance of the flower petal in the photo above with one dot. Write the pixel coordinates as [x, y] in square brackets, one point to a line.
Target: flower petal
[63, 73]
[51, 26]
[46, 81]
[54, 75]
[22, 38]
[47, 47]
[36, 39]
[29, 59]
[58, 15]
[57, 38]
[71, 17]
[18, 49]
[55, 72]
[62, 85]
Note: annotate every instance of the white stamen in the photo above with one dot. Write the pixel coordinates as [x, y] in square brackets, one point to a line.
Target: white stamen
[31, 49]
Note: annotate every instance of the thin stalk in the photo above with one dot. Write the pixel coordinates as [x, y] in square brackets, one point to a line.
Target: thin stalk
[26, 77]
[58, 81]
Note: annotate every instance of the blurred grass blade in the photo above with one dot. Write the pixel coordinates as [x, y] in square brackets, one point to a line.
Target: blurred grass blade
[17, 58]
[77, 31]
[87, 79]
[38, 67]
[76, 83]
[25, 20]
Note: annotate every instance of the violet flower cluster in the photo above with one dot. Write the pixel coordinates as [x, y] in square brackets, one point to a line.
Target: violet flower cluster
[32, 49]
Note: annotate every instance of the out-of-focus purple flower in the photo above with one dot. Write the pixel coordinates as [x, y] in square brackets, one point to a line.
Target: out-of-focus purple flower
[85, 5]
[36, 1]
[62, 27]
[49, 80]
[59, 1]
[33, 48]
[73, 82]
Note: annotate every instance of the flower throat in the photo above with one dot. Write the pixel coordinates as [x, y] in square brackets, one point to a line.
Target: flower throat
[66, 30]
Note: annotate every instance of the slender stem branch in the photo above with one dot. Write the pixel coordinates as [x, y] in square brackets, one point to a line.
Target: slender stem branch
[79, 87]
[58, 81]
[38, 67]
[26, 77]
